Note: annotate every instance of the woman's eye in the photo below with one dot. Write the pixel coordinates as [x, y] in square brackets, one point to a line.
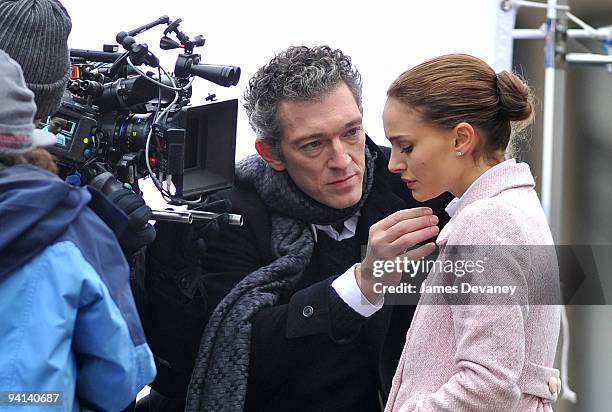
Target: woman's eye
[407, 149]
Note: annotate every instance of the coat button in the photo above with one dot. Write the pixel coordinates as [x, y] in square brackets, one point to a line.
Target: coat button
[554, 385]
[307, 311]
[184, 283]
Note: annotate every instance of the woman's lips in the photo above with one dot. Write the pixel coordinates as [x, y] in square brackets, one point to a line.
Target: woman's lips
[409, 182]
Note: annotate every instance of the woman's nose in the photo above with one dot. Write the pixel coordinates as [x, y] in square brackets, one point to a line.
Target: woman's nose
[395, 164]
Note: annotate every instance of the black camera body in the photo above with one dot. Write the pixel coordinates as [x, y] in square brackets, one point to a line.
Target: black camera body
[114, 117]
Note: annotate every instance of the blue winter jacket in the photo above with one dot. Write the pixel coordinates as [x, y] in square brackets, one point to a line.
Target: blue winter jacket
[68, 322]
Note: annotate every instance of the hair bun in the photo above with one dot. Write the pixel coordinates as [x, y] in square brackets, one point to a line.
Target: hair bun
[515, 97]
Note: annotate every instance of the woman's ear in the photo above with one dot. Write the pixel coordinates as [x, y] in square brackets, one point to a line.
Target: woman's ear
[266, 152]
[465, 138]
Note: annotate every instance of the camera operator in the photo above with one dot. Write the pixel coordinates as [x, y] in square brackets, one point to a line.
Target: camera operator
[53, 248]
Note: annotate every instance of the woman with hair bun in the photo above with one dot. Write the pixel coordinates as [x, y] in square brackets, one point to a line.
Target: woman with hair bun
[450, 121]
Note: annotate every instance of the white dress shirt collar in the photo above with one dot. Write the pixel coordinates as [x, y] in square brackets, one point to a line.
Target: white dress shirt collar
[348, 231]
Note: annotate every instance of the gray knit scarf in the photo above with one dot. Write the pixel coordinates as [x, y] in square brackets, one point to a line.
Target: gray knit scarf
[219, 378]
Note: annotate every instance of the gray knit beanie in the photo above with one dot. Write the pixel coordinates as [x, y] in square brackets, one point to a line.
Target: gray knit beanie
[17, 132]
[35, 34]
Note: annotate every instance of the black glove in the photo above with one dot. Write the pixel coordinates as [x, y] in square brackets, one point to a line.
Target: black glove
[199, 230]
[139, 232]
[177, 251]
[182, 245]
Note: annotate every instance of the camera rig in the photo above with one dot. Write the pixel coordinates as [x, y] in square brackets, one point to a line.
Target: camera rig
[116, 119]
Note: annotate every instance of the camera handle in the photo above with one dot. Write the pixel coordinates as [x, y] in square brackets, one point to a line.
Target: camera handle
[139, 53]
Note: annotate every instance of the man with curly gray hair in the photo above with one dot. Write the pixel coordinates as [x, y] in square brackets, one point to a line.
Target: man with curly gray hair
[292, 320]
[299, 73]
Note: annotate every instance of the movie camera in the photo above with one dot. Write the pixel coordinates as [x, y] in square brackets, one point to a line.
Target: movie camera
[115, 119]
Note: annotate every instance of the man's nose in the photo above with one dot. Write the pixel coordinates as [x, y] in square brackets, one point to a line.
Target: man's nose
[395, 164]
[339, 157]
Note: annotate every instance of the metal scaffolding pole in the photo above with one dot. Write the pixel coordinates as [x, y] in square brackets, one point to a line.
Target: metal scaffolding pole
[555, 34]
[553, 119]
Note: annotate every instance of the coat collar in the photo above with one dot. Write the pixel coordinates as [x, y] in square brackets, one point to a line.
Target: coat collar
[504, 176]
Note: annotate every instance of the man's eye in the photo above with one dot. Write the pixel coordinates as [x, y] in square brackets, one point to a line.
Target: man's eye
[407, 149]
[311, 145]
[353, 132]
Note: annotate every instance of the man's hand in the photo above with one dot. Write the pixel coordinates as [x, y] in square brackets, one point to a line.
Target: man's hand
[195, 245]
[180, 245]
[391, 238]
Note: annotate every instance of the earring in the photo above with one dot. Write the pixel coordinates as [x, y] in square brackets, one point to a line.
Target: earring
[459, 153]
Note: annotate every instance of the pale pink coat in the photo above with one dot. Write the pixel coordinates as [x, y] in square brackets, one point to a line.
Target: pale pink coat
[494, 357]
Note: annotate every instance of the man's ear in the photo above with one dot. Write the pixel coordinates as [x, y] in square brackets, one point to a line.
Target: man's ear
[466, 139]
[266, 152]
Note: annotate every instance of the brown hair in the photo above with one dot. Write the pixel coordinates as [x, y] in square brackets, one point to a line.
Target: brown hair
[455, 88]
[37, 157]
